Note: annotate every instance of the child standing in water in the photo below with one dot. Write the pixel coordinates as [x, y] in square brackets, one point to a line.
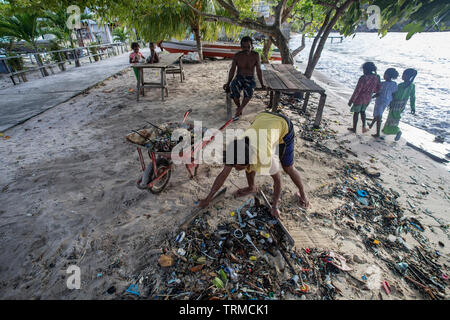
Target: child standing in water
[406, 91]
[368, 84]
[384, 97]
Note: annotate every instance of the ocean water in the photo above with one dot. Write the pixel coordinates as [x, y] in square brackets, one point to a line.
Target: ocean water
[428, 53]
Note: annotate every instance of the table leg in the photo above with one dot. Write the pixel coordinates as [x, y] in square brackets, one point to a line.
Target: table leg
[322, 100]
[276, 101]
[181, 70]
[271, 99]
[138, 84]
[162, 84]
[305, 103]
[141, 76]
[166, 87]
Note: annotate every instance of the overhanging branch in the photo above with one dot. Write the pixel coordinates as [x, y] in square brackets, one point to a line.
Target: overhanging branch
[327, 4]
[245, 23]
[288, 10]
[231, 9]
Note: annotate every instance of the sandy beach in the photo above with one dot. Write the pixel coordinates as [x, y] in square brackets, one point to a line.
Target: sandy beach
[68, 192]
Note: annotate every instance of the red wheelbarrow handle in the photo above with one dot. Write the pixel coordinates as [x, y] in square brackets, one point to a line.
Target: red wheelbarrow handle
[186, 114]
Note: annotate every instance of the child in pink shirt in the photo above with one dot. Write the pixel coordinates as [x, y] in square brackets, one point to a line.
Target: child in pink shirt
[368, 84]
[135, 56]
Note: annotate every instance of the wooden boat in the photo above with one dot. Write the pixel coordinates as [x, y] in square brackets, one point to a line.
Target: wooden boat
[216, 49]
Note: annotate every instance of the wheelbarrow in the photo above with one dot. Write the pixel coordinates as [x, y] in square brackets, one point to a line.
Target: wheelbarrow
[157, 173]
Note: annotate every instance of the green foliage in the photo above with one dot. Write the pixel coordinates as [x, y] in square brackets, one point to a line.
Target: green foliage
[260, 50]
[15, 63]
[120, 34]
[307, 17]
[55, 22]
[21, 26]
[56, 56]
[424, 15]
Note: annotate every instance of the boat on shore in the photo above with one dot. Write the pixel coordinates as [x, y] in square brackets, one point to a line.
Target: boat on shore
[216, 49]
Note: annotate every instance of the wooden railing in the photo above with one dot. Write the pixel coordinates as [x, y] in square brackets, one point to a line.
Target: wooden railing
[46, 60]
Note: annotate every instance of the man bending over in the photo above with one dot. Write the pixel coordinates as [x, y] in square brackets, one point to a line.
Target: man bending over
[257, 155]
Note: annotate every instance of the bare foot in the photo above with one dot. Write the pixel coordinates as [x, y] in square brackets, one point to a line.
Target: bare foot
[244, 191]
[364, 130]
[304, 203]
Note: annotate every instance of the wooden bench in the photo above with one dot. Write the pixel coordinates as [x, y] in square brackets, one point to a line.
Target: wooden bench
[284, 78]
[166, 62]
[177, 69]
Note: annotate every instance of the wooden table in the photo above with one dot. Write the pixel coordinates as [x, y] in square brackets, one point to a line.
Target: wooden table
[284, 78]
[166, 62]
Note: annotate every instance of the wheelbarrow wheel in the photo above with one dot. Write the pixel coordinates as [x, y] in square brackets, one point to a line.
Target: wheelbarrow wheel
[161, 166]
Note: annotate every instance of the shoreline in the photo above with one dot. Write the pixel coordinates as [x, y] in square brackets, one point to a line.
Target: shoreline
[68, 189]
[423, 52]
[411, 134]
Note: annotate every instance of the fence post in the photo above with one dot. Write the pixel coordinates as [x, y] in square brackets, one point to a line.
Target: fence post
[63, 61]
[40, 65]
[89, 53]
[77, 62]
[5, 61]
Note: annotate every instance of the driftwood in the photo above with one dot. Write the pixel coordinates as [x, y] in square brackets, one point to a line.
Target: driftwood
[291, 240]
[429, 154]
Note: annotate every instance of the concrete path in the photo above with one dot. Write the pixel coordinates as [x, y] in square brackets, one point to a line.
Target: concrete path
[26, 100]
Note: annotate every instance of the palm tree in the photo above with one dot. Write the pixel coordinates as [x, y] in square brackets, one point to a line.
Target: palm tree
[55, 22]
[120, 34]
[24, 26]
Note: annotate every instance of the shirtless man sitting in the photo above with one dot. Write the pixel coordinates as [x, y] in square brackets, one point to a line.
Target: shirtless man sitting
[246, 61]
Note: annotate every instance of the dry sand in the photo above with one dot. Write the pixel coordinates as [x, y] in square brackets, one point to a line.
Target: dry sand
[68, 194]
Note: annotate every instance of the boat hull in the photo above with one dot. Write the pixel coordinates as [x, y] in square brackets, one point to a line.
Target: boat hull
[217, 49]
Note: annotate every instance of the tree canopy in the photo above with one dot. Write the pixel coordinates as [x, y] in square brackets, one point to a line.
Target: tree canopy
[156, 20]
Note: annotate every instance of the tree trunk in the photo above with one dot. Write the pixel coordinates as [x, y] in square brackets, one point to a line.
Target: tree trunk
[318, 52]
[314, 55]
[198, 38]
[300, 49]
[309, 70]
[11, 45]
[283, 46]
[79, 38]
[266, 49]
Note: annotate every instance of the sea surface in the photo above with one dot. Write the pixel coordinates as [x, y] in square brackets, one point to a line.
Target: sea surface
[428, 53]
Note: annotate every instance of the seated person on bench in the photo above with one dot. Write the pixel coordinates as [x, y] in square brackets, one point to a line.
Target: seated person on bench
[246, 61]
[154, 57]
